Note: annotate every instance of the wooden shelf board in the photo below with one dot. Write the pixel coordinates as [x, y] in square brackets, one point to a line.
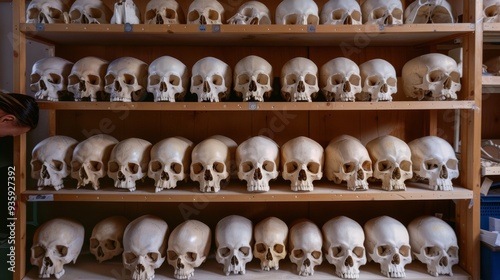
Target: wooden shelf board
[268, 35]
[491, 84]
[491, 32]
[237, 192]
[255, 106]
[87, 267]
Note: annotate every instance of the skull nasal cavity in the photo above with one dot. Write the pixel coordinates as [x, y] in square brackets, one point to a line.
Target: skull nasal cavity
[206, 87]
[234, 260]
[118, 87]
[349, 261]
[302, 175]
[396, 174]
[395, 259]
[203, 20]
[208, 175]
[42, 85]
[164, 176]
[444, 172]
[48, 262]
[257, 175]
[301, 87]
[443, 261]
[307, 263]
[180, 264]
[269, 256]
[82, 86]
[252, 86]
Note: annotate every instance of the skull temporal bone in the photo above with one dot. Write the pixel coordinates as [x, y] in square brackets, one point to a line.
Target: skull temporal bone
[168, 79]
[205, 12]
[49, 77]
[297, 12]
[211, 80]
[382, 12]
[164, 12]
[47, 11]
[107, 238]
[388, 243]
[341, 12]
[89, 11]
[86, 79]
[304, 243]
[340, 79]
[299, 80]
[253, 78]
[56, 242]
[251, 12]
[271, 235]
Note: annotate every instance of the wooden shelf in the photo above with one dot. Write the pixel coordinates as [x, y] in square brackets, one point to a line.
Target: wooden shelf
[491, 32]
[255, 106]
[87, 267]
[491, 84]
[268, 35]
[237, 192]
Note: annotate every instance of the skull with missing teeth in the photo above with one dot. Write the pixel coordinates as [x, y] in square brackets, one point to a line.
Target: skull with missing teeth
[47, 11]
[253, 78]
[164, 12]
[211, 80]
[210, 164]
[89, 12]
[126, 79]
[299, 80]
[49, 78]
[347, 12]
[86, 79]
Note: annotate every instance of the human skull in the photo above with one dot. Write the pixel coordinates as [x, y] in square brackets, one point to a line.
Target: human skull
[51, 161]
[379, 80]
[343, 246]
[271, 235]
[432, 76]
[383, 12]
[126, 79]
[89, 11]
[107, 238]
[251, 12]
[299, 80]
[341, 12]
[391, 159]
[258, 162]
[302, 163]
[86, 78]
[47, 11]
[233, 235]
[388, 244]
[433, 158]
[210, 162]
[297, 12]
[493, 65]
[430, 11]
[340, 79]
[49, 77]
[434, 243]
[129, 162]
[205, 12]
[164, 12]
[168, 79]
[90, 159]
[125, 11]
[253, 78]
[56, 242]
[144, 246]
[304, 243]
[188, 247]
[346, 159]
[170, 160]
[491, 9]
[211, 80]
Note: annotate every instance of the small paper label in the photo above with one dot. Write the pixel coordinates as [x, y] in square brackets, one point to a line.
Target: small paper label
[41, 197]
[485, 186]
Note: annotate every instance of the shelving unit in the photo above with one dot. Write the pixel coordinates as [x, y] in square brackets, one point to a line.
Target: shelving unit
[404, 118]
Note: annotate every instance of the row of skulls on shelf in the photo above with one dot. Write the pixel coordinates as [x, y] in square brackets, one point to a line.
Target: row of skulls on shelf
[145, 243]
[432, 76]
[299, 12]
[258, 160]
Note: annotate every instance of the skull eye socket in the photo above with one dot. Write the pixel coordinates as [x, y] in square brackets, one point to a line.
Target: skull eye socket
[405, 165]
[372, 81]
[279, 248]
[191, 256]
[33, 13]
[392, 82]
[154, 80]
[384, 165]
[111, 244]
[316, 254]
[224, 252]
[152, 256]
[338, 14]
[93, 79]
[35, 78]
[174, 80]
[57, 165]
[356, 15]
[62, 250]
[55, 78]
[268, 165]
[397, 13]
[133, 167]
[349, 167]
[245, 251]
[110, 79]
[95, 13]
[337, 252]
[247, 166]
[298, 253]
[243, 79]
[113, 166]
[313, 167]
[38, 251]
[336, 79]
[197, 80]
[75, 165]
[261, 248]
[378, 13]
[217, 80]
[218, 167]
[213, 15]
[291, 167]
[172, 256]
[358, 251]
[452, 164]
[128, 79]
[384, 250]
[75, 14]
[435, 76]
[176, 167]
[291, 79]
[55, 13]
[155, 166]
[36, 165]
[247, 12]
[262, 79]
[405, 251]
[367, 165]
[197, 168]
[291, 19]
[312, 19]
[193, 16]
[94, 243]
[431, 251]
[73, 80]
[95, 165]
[130, 257]
[431, 165]
[453, 251]
[170, 14]
[310, 79]
[491, 11]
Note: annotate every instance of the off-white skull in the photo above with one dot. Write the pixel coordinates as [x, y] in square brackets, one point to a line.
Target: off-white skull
[379, 80]
[343, 246]
[304, 243]
[144, 246]
[388, 243]
[168, 79]
[493, 65]
[346, 159]
[164, 12]
[299, 80]
[126, 79]
[384, 12]
[206, 12]
[251, 12]
[341, 12]
[211, 79]
[253, 78]
[56, 242]
[491, 9]
[258, 162]
[90, 159]
[86, 79]
[129, 162]
[210, 162]
[107, 238]
[233, 235]
[51, 161]
[125, 11]
[391, 159]
[170, 160]
[49, 77]
[89, 11]
[432, 76]
[433, 158]
[302, 163]
[430, 11]
[47, 11]
[340, 79]
[297, 12]
[188, 247]
[434, 243]
[271, 235]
